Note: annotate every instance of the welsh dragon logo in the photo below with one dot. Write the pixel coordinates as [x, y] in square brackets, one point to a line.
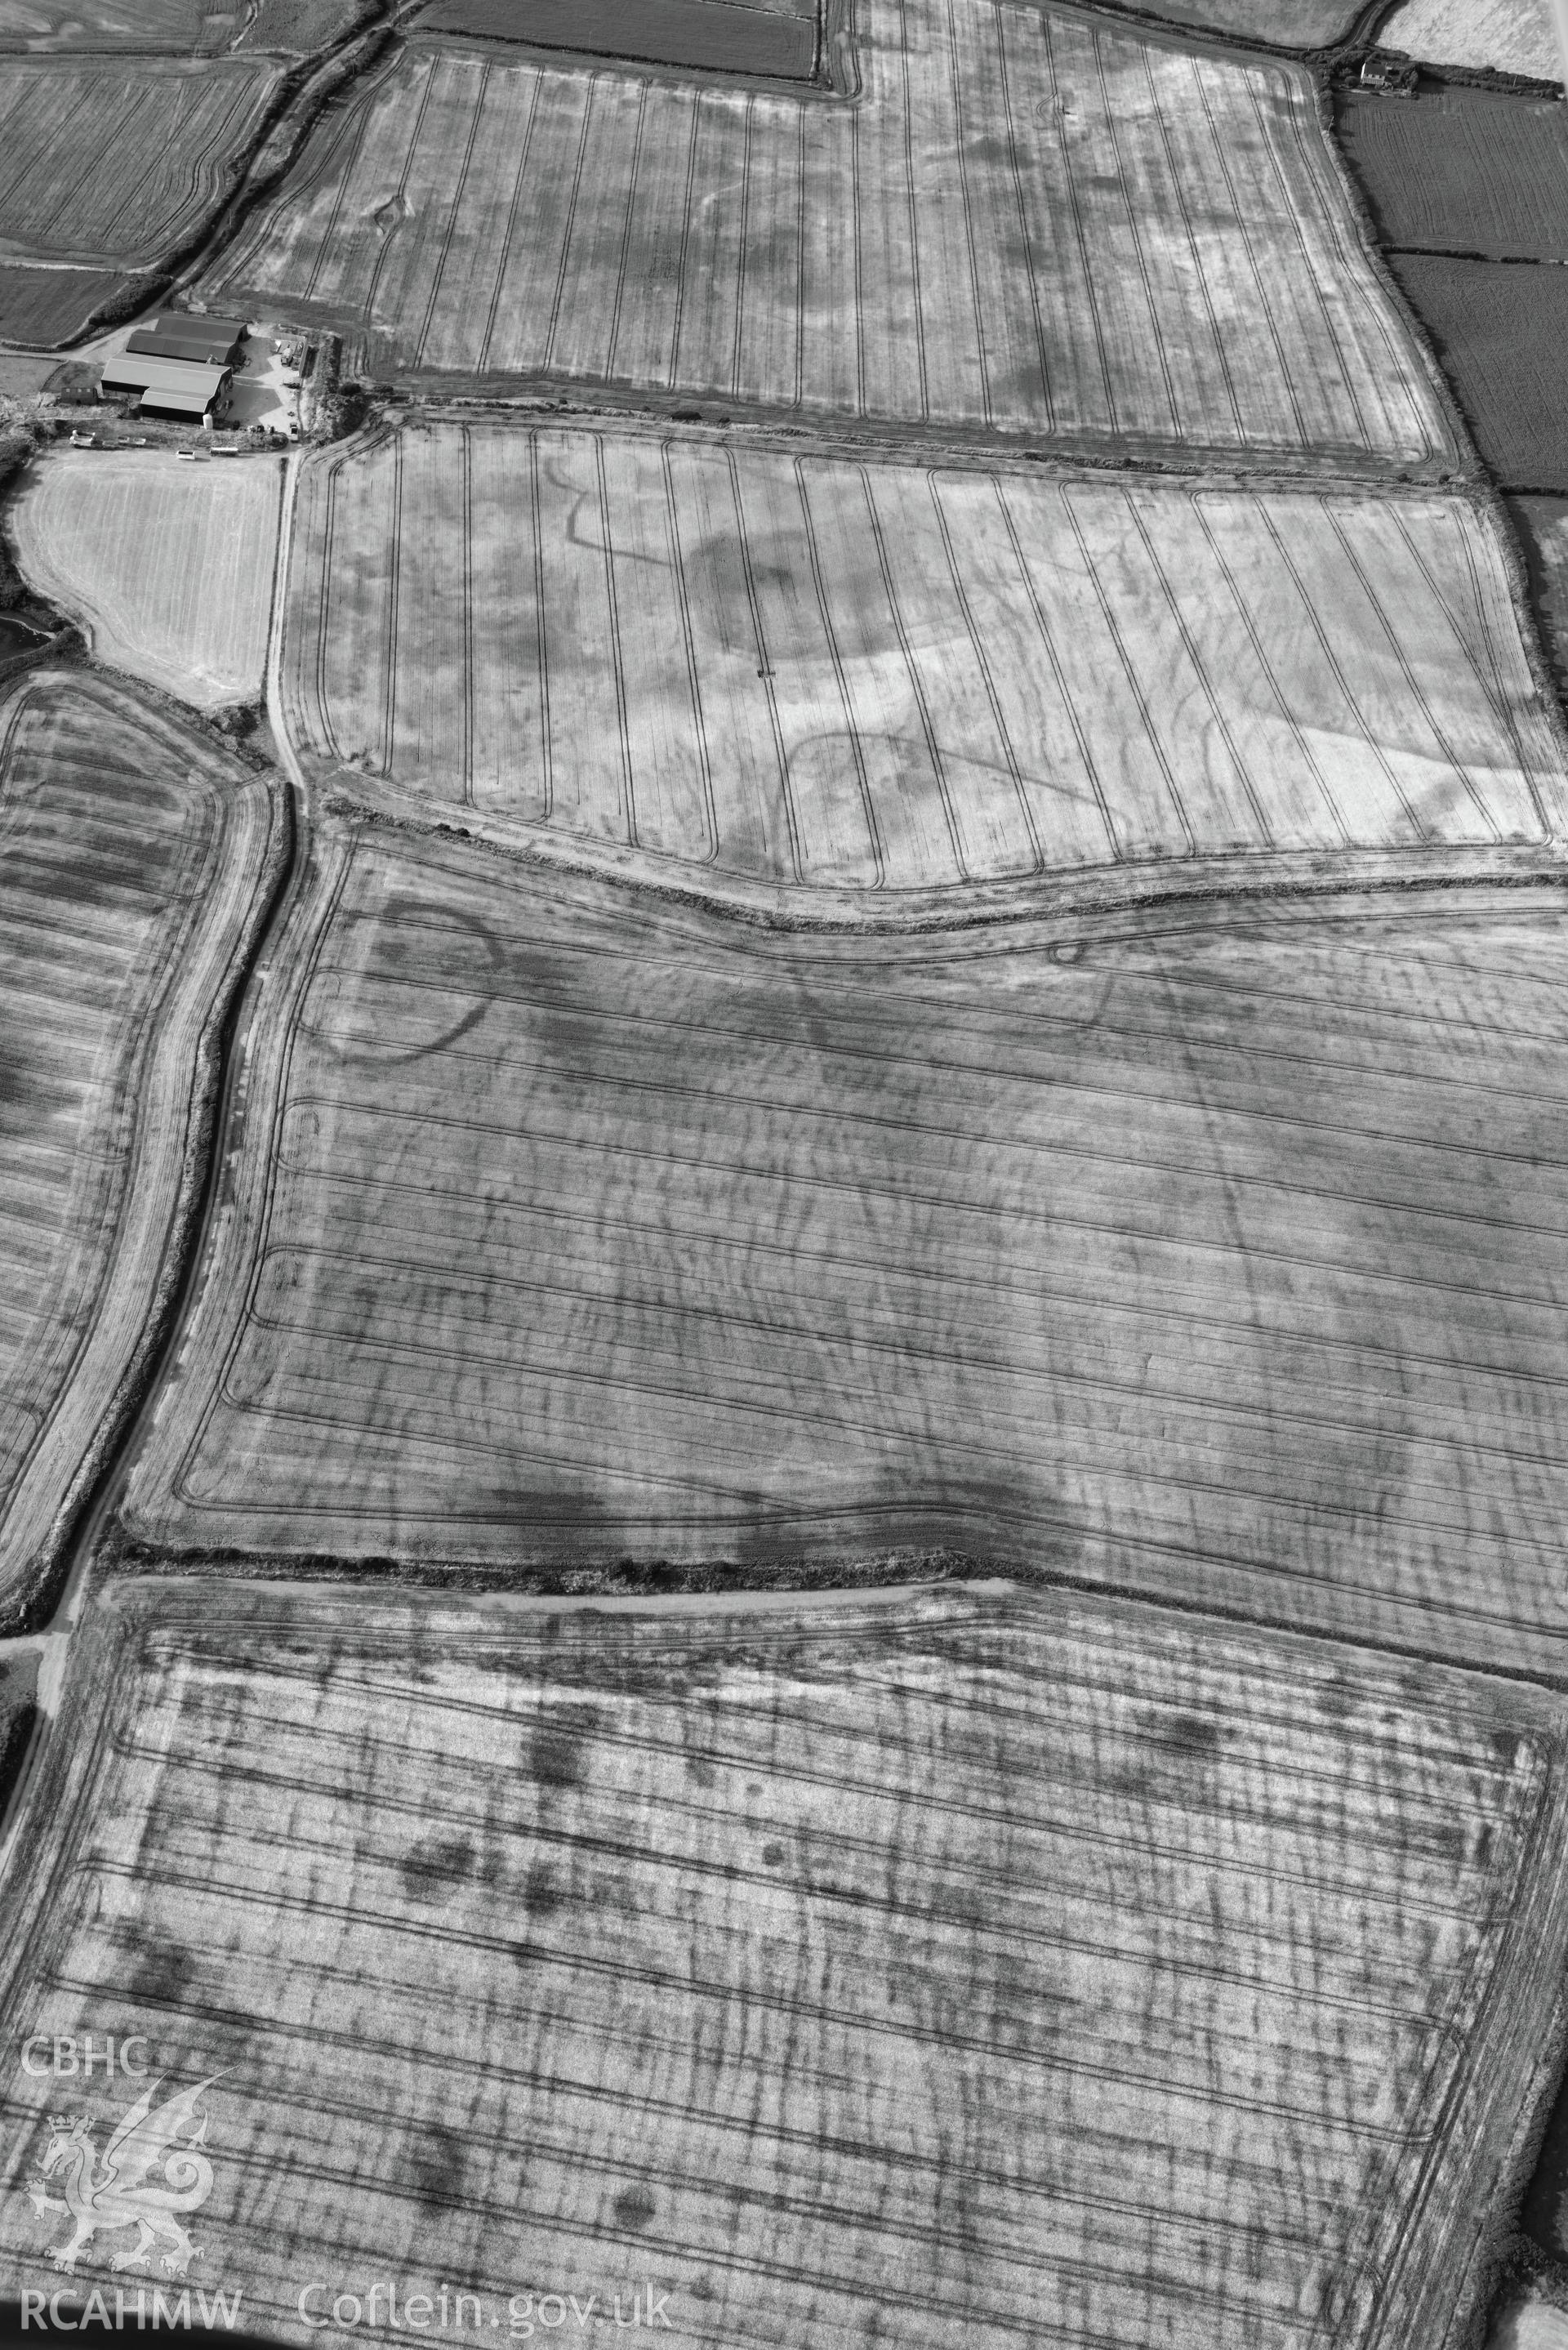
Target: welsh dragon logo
[145, 2179]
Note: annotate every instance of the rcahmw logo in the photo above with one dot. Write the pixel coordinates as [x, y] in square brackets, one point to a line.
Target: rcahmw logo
[151, 2175]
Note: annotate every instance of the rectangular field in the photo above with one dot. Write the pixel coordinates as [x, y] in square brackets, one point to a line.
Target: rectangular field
[45, 308]
[1510, 36]
[117, 160]
[183, 29]
[1542, 524]
[168, 567]
[1501, 333]
[1211, 1252]
[1292, 24]
[816, 670]
[1463, 171]
[945, 1968]
[710, 34]
[130, 855]
[1031, 222]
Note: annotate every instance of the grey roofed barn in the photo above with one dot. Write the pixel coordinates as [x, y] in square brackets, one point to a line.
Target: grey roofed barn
[168, 340]
[180, 386]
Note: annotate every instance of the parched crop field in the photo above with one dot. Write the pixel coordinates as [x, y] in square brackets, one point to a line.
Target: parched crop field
[799, 1966]
[170, 566]
[1209, 1251]
[117, 159]
[1033, 221]
[131, 853]
[811, 669]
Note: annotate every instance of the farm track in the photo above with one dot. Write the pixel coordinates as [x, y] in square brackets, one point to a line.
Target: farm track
[814, 291]
[830, 674]
[129, 895]
[940, 1853]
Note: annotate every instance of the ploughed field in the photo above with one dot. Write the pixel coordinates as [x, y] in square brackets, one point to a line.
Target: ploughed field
[168, 567]
[115, 162]
[130, 855]
[935, 1968]
[1206, 1253]
[811, 669]
[1034, 222]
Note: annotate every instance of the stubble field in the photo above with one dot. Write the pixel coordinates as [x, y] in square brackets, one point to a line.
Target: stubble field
[813, 669]
[169, 565]
[803, 1964]
[1206, 1252]
[132, 853]
[117, 160]
[1032, 222]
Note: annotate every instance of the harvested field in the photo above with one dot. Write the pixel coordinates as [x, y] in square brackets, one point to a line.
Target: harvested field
[874, 675]
[1542, 524]
[120, 160]
[1213, 1253]
[1501, 332]
[1037, 222]
[170, 566]
[961, 1967]
[133, 852]
[184, 28]
[49, 306]
[1458, 170]
[710, 34]
[1512, 36]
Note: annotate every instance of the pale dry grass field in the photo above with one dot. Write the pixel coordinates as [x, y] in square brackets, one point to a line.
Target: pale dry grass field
[168, 567]
[117, 158]
[1035, 221]
[130, 855]
[946, 1967]
[1513, 35]
[1206, 1252]
[810, 669]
